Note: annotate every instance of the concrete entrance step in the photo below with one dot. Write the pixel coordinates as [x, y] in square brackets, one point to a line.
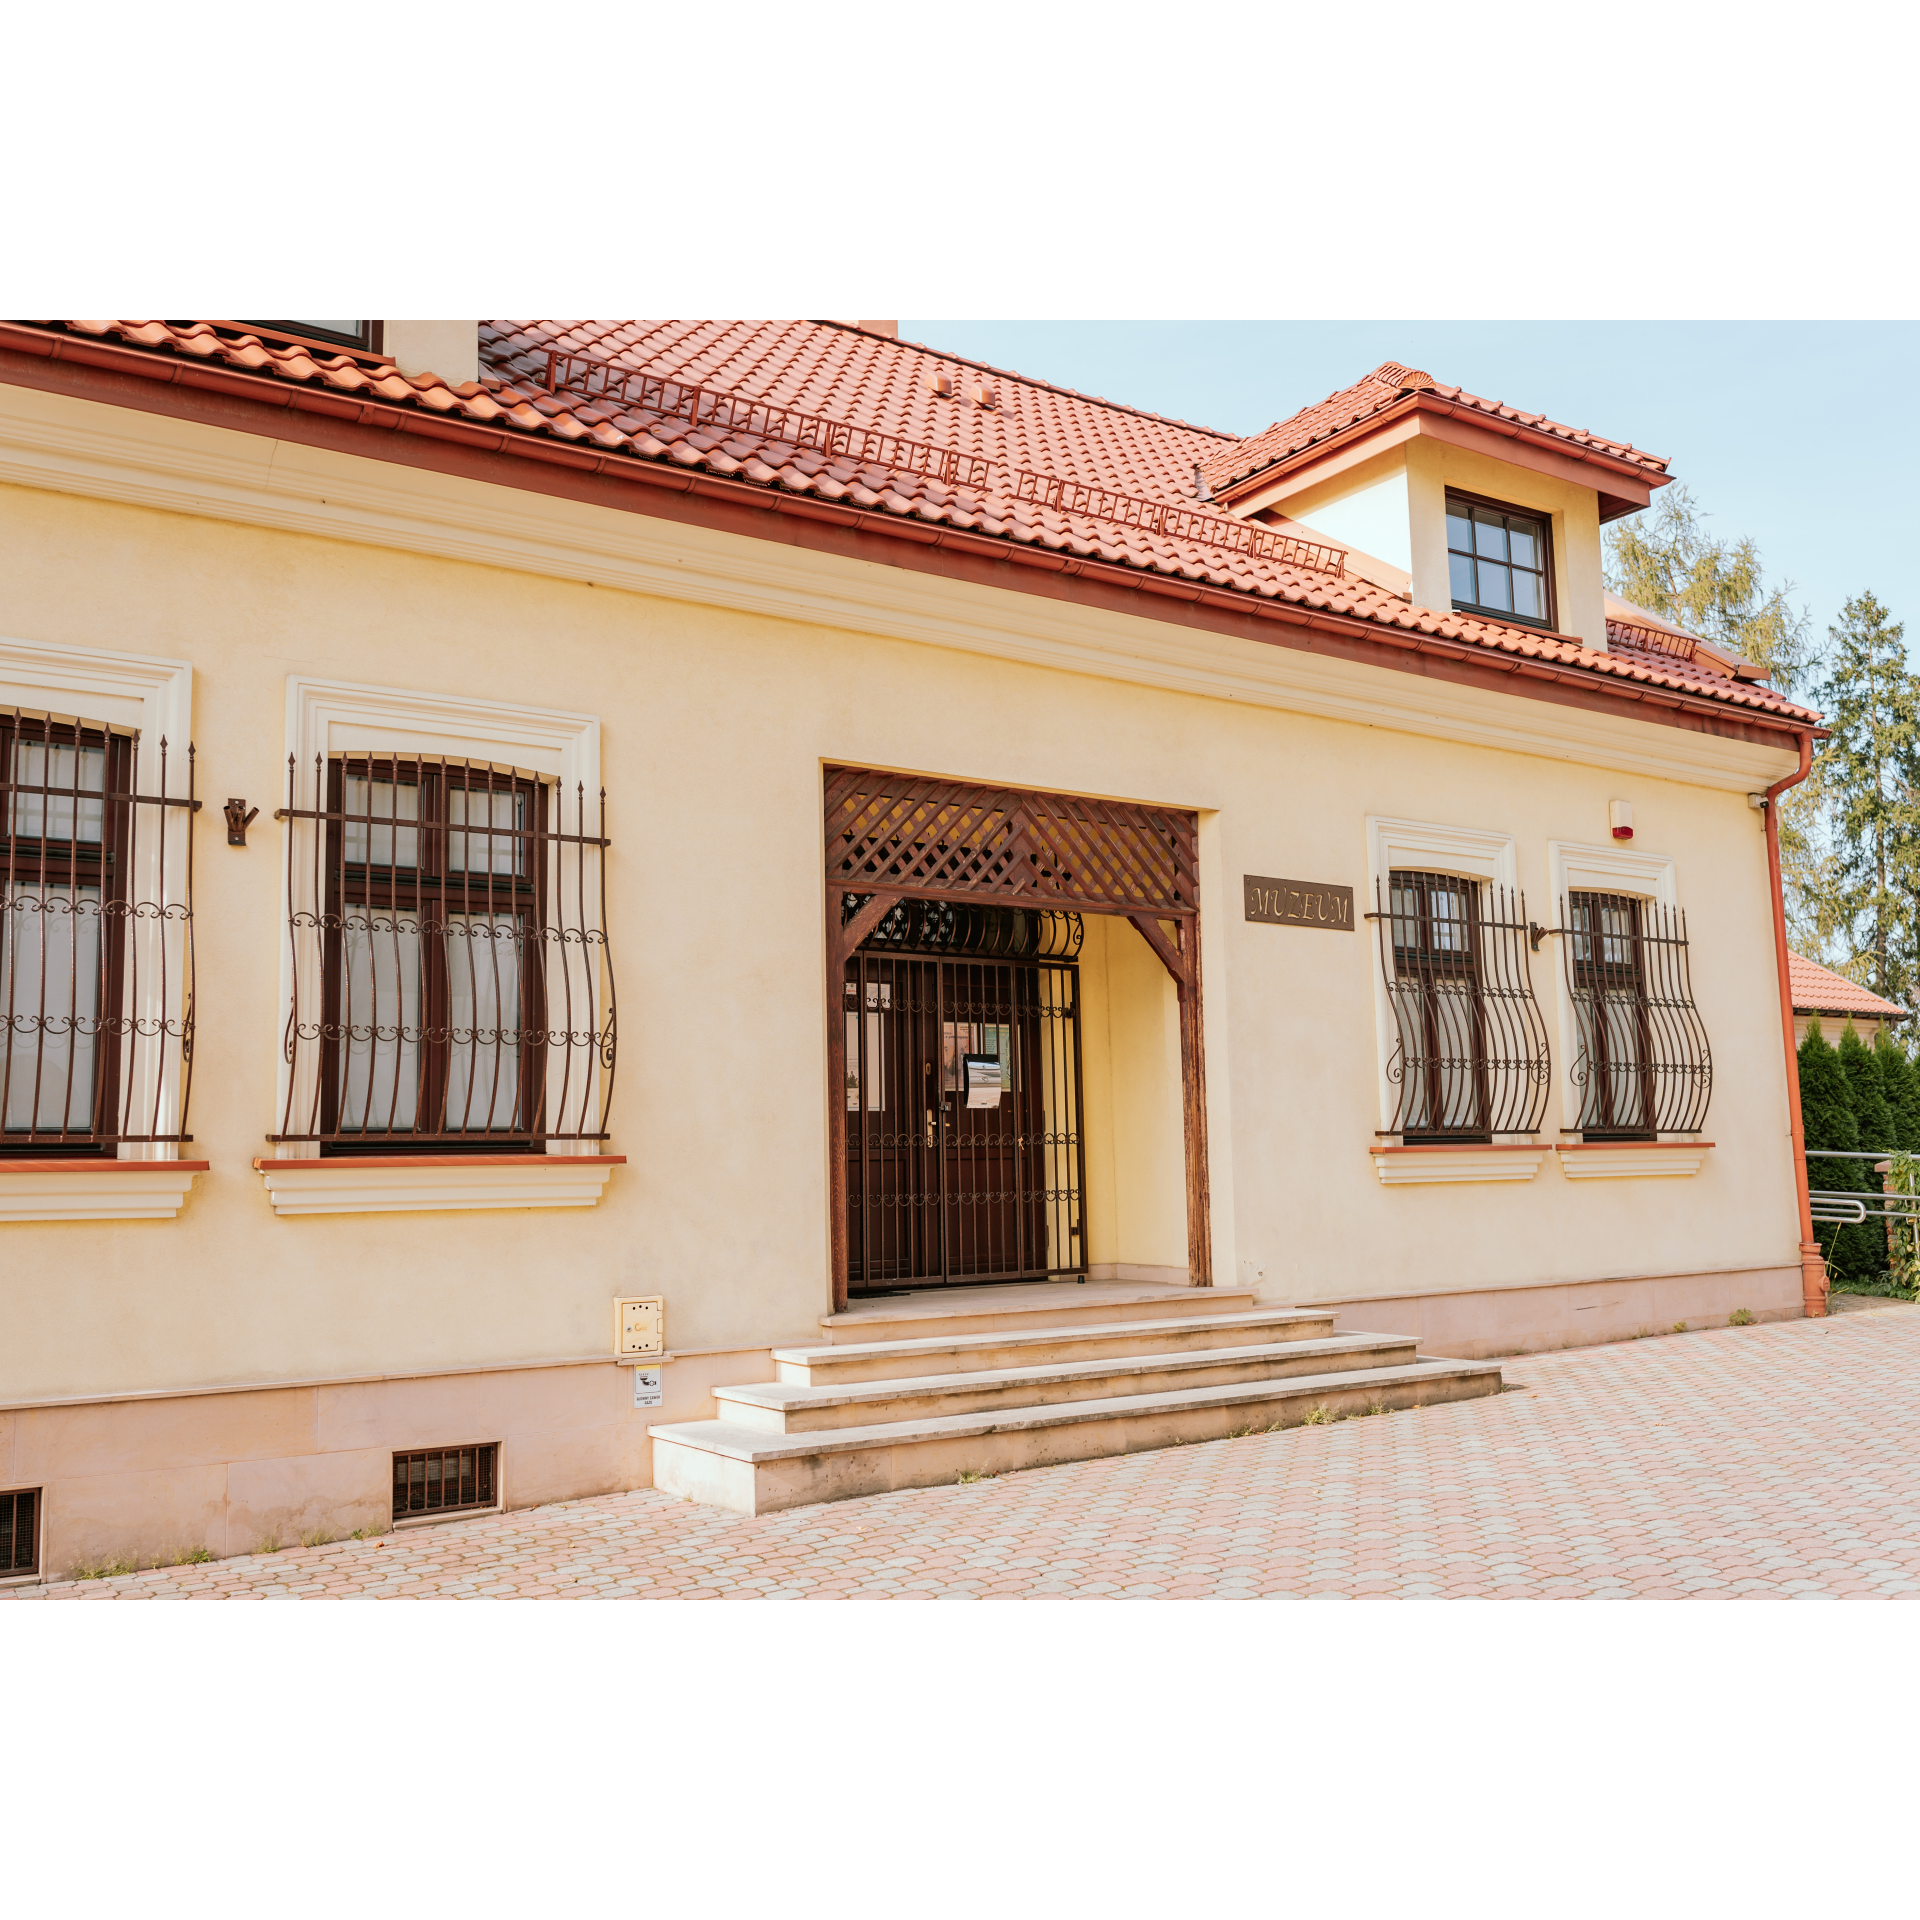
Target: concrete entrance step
[788, 1408]
[980, 1351]
[744, 1470]
[941, 1310]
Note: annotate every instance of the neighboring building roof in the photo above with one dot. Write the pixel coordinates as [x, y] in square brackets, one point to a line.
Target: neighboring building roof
[1388, 386]
[1817, 989]
[827, 411]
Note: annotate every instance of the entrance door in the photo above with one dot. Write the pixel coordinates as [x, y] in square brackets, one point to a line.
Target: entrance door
[943, 1184]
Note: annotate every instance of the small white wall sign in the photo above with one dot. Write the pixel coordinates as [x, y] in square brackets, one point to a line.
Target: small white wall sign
[646, 1387]
[985, 1082]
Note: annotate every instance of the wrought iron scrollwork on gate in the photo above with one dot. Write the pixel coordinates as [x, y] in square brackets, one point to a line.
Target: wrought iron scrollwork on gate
[940, 1189]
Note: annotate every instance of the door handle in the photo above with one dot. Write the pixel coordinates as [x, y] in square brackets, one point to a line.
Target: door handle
[929, 1127]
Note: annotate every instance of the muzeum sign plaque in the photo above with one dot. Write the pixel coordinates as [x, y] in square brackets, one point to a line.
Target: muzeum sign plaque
[1298, 903]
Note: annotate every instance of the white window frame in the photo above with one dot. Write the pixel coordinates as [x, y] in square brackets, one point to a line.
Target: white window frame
[1466, 853]
[1573, 868]
[331, 718]
[152, 695]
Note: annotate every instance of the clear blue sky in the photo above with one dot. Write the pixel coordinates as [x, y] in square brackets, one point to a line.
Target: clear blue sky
[1796, 433]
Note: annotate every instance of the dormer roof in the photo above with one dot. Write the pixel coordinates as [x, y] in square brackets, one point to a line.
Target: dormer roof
[1390, 393]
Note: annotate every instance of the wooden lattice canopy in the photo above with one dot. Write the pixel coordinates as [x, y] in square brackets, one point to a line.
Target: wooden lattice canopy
[897, 834]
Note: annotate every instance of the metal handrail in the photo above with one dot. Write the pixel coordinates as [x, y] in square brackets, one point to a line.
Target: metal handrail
[1849, 1210]
[1831, 1208]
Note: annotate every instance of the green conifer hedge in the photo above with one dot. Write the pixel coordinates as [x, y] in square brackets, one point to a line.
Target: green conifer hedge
[1867, 1092]
[1827, 1113]
[1900, 1082]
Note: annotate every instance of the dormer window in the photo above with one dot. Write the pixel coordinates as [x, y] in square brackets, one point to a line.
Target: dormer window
[1498, 561]
[356, 336]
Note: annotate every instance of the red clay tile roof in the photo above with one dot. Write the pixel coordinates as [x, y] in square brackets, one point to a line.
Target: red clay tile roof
[999, 455]
[1816, 989]
[869, 380]
[1386, 387]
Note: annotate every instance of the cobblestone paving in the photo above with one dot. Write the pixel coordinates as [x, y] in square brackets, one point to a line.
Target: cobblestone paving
[1777, 1461]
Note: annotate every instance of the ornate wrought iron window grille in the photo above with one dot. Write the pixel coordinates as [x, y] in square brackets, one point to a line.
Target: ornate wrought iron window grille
[96, 940]
[451, 980]
[1642, 1066]
[1470, 1058]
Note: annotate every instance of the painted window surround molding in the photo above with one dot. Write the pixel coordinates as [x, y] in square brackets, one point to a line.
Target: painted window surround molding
[1477, 855]
[1444, 1165]
[95, 1189]
[428, 1183]
[147, 1180]
[338, 716]
[1622, 1159]
[1441, 1164]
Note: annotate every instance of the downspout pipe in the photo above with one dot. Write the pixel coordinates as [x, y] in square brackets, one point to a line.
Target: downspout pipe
[1813, 1269]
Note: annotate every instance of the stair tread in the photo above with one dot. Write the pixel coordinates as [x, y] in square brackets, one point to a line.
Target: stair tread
[785, 1394]
[1089, 1330]
[754, 1445]
[934, 1303]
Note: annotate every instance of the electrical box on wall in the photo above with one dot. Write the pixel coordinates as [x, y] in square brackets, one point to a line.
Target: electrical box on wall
[639, 1327]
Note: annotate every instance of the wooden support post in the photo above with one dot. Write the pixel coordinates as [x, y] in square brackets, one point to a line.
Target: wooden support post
[1193, 1093]
[1182, 960]
[842, 944]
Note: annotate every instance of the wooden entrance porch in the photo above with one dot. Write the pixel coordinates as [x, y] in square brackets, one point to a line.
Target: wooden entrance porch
[1029, 859]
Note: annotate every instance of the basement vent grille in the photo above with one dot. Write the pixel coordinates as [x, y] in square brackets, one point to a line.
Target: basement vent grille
[442, 1480]
[19, 1533]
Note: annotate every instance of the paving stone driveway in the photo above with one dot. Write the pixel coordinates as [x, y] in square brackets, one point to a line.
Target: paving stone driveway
[1771, 1461]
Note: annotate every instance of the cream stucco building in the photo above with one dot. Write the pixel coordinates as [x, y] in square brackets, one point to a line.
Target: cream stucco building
[760, 822]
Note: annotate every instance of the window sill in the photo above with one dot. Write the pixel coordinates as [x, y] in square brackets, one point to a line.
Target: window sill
[1632, 1159]
[436, 1183]
[1506, 619]
[95, 1189]
[1439, 1163]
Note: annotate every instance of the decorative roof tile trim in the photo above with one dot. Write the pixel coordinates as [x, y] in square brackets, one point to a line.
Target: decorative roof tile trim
[1682, 646]
[604, 381]
[1387, 387]
[897, 386]
[1818, 989]
[530, 422]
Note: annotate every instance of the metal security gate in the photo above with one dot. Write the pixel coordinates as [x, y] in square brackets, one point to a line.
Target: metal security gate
[948, 1180]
